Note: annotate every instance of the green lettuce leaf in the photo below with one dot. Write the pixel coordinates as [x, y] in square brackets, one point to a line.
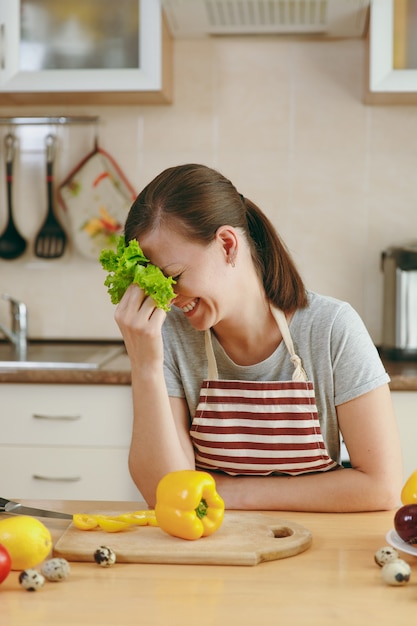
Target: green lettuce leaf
[129, 265]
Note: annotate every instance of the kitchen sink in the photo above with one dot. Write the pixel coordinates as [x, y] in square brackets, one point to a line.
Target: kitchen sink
[62, 355]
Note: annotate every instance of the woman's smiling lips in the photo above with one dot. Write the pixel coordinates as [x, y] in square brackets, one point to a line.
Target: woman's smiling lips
[190, 306]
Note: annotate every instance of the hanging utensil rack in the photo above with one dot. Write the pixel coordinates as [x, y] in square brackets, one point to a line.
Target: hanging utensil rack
[61, 119]
[11, 124]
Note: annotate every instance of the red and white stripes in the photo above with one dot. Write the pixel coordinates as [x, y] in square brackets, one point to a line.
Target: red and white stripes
[247, 427]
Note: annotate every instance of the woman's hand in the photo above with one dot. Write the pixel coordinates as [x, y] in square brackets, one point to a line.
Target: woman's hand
[140, 323]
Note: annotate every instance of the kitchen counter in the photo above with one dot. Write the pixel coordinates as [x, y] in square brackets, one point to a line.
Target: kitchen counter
[403, 375]
[117, 372]
[336, 581]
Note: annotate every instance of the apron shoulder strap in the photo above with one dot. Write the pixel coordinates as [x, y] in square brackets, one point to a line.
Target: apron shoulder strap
[299, 374]
[212, 373]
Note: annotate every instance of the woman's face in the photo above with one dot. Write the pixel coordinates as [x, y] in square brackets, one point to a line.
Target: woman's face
[203, 272]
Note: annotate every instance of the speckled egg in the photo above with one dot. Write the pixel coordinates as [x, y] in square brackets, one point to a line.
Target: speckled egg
[105, 556]
[385, 555]
[396, 572]
[56, 569]
[31, 579]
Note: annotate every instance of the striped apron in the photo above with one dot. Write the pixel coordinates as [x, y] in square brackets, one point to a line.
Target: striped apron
[259, 427]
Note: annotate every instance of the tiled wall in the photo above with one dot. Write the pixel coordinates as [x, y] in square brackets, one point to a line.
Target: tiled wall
[284, 119]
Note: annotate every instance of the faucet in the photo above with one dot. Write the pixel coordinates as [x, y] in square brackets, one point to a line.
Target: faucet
[17, 334]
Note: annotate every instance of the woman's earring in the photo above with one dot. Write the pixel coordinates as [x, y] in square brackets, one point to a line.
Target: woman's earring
[232, 259]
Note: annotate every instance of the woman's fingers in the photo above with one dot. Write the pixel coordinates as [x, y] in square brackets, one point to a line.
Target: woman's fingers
[136, 311]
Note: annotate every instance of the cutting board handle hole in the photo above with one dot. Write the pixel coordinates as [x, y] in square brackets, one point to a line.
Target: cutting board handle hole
[280, 533]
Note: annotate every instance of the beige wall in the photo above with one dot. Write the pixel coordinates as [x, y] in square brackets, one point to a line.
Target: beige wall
[284, 119]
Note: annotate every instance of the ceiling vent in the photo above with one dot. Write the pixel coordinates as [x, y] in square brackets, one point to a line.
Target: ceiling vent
[331, 18]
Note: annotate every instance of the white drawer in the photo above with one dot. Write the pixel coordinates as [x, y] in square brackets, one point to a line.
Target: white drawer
[66, 473]
[88, 415]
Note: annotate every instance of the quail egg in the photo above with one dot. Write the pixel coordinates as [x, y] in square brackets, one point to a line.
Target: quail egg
[385, 555]
[56, 569]
[31, 579]
[105, 556]
[396, 572]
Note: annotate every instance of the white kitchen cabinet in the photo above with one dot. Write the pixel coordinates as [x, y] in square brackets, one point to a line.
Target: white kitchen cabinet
[391, 79]
[84, 52]
[66, 442]
[405, 405]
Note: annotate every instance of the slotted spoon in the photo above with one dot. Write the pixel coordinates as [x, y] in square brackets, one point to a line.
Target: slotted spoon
[12, 243]
[51, 239]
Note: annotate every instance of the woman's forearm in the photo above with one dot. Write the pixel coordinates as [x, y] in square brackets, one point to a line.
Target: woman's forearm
[342, 490]
[156, 446]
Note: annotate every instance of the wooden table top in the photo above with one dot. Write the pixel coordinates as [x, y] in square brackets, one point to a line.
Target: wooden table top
[335, 582]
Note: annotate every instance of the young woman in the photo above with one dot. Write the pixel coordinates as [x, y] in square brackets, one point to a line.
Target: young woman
[250, 375]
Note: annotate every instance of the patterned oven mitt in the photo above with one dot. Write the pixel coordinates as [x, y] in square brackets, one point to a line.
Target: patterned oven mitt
[97, 197]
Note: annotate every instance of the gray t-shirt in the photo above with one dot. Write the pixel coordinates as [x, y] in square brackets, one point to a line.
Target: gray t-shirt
[336, 350]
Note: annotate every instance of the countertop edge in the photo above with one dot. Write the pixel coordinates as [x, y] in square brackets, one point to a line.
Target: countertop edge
[403, 375]
[68, 377]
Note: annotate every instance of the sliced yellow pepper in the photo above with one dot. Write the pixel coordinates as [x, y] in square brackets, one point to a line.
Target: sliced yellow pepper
[187, 504]
[114, 523]
[138, 518]
[150, 516]
[85, 522]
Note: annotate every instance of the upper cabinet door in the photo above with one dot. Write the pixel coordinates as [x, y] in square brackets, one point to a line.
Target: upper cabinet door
[392, 76]
[84, 52]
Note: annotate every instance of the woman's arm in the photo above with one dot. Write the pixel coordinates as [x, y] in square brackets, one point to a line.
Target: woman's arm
[159, 443]
[374, 483]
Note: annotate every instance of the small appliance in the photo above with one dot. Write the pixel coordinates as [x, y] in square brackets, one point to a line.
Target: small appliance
[399, 266]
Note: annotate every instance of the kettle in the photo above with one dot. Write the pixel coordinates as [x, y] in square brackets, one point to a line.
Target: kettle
[399, 328]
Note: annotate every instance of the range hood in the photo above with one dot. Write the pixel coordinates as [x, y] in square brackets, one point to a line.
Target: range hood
[326, 18]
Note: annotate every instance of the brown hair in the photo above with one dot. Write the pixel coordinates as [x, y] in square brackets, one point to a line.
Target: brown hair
[195, 200]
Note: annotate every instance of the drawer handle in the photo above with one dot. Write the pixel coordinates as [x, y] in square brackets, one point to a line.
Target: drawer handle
[3, 46]
[57, 479]
[70, 418]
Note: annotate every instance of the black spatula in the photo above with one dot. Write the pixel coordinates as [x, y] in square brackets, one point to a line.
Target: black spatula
[51, 239]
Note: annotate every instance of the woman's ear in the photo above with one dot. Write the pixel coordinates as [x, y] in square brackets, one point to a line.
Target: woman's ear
[227, 237]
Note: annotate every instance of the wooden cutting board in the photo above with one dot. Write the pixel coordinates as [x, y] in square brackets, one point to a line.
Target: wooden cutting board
[244, 538]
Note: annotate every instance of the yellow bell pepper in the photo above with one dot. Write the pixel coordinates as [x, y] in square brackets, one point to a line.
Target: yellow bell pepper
[188, 505]
[409, 490]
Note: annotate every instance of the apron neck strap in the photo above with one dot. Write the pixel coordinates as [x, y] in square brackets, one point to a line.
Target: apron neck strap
[212, 373]
[298, 374]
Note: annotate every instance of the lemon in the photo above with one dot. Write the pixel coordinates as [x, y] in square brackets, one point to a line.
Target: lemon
[27, 540]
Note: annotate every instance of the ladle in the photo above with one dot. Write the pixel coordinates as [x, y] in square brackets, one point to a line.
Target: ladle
[12, 244]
